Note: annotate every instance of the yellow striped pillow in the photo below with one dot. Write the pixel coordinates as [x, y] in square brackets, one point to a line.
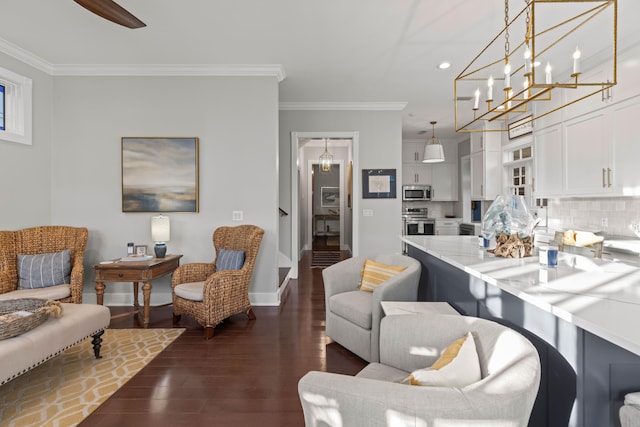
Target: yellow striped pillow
[374, 273]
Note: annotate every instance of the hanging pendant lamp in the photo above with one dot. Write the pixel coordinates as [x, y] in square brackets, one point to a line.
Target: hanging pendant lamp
[326, 159]
[433, 152]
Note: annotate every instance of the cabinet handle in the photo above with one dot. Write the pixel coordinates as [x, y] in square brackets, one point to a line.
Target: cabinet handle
[482, 189]
[609, 177]
[533, 184]
[603, 178]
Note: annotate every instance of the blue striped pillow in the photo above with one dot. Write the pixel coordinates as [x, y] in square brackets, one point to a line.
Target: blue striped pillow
[44, 270]
[229, 260]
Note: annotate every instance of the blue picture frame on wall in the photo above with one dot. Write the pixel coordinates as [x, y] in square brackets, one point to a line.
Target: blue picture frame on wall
[379, 183]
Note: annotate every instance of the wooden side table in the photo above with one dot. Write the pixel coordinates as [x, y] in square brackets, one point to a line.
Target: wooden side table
[136, 272]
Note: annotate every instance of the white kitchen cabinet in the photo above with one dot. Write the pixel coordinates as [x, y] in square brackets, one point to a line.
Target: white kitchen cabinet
[548, 158]
[586, 153]
[416, 174]
[626, 150]
[601, 152]
[447, 227]
[444, 176]
[486, 165]
[413, 152]
[444, 182]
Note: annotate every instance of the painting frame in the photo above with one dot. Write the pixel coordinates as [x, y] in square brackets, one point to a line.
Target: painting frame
[521, 127]
[379, 184]
[330, 197]
[160, 174]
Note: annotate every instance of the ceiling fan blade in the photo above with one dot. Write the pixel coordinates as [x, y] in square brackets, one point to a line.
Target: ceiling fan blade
[108, 9]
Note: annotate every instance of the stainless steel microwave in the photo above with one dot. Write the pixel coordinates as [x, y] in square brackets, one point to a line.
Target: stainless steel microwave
[416, 192]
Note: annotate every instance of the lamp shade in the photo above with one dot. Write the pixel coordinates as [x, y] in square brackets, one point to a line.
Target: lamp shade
[433, 153]
[160, 228]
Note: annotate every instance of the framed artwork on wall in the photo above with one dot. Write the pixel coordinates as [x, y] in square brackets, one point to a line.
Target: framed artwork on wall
[378, 183]
[159, 174]
[330, 197]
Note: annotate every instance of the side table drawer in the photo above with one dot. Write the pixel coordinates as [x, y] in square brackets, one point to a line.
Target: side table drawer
[120, 276]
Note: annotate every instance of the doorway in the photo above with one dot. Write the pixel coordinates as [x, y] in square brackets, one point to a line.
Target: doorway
[327, 210]
[306, 148]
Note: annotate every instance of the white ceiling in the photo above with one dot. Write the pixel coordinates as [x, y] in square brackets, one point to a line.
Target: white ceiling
[351, 51]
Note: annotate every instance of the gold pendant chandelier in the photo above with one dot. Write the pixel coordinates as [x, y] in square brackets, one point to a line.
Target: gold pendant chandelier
[325, 159]
[541, 72]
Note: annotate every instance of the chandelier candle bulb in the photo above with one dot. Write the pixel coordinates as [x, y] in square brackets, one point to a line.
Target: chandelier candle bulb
[525, 86]
[507, 76]
[527, 61]
[547, 73]
[576, 61]
[477, 99]
[490, 89]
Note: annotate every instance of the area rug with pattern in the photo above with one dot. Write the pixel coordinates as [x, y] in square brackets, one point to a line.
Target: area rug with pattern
[66, 389]
[323, 259]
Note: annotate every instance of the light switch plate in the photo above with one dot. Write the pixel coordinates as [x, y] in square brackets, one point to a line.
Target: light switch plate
[236, 216]
[367, 212]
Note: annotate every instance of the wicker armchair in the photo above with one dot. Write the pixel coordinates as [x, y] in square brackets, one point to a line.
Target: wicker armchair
[44, 239]
[211, 296]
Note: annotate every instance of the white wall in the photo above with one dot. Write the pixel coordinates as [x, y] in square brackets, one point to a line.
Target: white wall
[25, 170]
[236, 120]
[380, 137]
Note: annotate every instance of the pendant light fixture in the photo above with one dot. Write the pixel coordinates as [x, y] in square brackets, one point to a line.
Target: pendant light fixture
[326, 159]
[539, 70]
[433, 152]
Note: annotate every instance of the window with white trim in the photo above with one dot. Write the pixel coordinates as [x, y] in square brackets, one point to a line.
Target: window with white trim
[15, 113]
[518, 164]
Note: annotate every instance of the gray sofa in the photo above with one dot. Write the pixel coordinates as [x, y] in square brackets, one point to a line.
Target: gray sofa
[353, 316]
[374, 397]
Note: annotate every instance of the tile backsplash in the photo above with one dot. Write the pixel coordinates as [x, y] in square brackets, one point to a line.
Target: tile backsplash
[611, 216]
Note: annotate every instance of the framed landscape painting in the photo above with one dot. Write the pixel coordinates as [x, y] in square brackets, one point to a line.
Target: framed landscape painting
[159, 174]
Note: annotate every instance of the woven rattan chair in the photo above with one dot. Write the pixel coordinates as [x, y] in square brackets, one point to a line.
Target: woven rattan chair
[38, 240]
[215, 295]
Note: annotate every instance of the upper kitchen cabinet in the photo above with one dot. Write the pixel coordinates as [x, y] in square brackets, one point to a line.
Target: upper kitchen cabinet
[444, 176]
[586, 153]
[626, 150]
[548, 157]
[412, 151]
[414, 172]
[486, 164]
[601, 152]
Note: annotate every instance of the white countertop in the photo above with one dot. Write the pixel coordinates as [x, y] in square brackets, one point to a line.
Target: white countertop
[599, 296]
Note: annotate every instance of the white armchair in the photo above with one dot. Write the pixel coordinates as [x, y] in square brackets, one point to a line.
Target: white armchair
[353, 316]
[504, 397]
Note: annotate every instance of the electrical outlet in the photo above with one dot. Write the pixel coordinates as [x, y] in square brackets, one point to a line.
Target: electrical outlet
[604, 222]
[236, 216]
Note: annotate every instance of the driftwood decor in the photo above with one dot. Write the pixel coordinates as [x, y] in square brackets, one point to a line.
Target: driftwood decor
[512, 246]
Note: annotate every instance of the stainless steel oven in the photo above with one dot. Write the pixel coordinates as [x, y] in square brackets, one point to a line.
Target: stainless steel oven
[415, 222]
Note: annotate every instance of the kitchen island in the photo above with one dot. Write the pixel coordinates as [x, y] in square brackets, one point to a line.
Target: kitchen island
[582, 316]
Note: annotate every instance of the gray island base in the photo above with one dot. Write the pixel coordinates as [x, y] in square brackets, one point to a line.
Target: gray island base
[582, 317]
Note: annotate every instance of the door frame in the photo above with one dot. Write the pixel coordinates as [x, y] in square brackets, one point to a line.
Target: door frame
[343, 204]
[296, 252]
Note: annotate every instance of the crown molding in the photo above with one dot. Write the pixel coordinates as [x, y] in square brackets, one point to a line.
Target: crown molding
[25, 56]
[343, 106]
[232, 70]
[229, 70]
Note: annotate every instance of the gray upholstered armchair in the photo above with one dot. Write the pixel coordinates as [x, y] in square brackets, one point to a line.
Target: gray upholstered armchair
[509, 365]
[353, 316]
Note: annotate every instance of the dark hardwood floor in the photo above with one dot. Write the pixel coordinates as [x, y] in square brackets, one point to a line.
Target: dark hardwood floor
[246, 375]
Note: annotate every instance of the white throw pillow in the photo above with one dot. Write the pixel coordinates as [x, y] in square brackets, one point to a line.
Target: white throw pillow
[458, 366]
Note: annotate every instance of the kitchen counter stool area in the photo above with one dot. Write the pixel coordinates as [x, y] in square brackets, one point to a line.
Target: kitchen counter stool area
[590, 355]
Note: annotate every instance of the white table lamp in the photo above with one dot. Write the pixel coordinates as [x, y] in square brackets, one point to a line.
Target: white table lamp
[160, 233]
